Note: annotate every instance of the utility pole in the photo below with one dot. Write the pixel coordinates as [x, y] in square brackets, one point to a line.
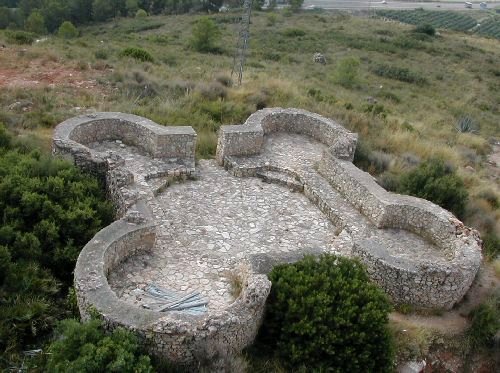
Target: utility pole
[243, 41]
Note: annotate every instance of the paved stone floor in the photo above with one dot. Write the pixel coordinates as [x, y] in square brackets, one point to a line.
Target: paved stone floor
[210, 226]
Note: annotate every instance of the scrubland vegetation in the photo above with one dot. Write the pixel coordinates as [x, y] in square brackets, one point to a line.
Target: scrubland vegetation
[426, 107]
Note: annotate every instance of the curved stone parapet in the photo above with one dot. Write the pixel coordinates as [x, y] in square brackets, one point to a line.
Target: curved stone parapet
[75, 140]
[179, 337]
[426, 283]
[438, 281]
[247, 139]
[175, 143]
[138, 158]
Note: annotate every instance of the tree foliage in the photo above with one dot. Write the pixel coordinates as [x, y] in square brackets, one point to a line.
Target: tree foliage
[325, 314]
[35, 23]
[141, 13]
[346, 73]
[435, 181]
[296, 5]
[205, 35]
[78, 12]
[48, 211]
[85, 348]
[67, 30]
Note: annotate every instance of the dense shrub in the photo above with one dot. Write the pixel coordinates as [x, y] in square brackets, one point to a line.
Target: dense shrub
[224, 79]
[293, 32]
[425, 28]
[491, 245]
[374, 162]
[48, 211]
[399, 73]
[67, 30]
[141, 13]
[35, 23]
[85, 348]
[5, 138]
[485, 322]
[271, 19]
[20, 37]
[205, 35]
[101, 54]
[138, 54]
[438, 183]
[346, 73]
[212, 91]
[325, 314]
[295, 5]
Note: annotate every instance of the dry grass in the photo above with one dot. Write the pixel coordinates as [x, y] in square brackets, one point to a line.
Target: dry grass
[189, 88]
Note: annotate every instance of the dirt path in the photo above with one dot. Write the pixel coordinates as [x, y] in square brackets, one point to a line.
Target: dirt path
[493, 162]
[18, 70]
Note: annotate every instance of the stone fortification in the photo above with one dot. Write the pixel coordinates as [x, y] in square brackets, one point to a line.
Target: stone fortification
[210, 230]
[176, 336]
[138, 159]
[81, 139]
[408, 277]
[436, 277]
[248, 138]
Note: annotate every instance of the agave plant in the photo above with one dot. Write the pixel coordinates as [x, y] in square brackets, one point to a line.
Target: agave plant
[465, 124]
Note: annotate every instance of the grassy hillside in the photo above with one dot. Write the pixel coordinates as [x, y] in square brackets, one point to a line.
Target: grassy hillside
[406, 96]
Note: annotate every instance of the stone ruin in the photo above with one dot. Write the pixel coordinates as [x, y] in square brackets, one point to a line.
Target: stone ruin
[216, 228]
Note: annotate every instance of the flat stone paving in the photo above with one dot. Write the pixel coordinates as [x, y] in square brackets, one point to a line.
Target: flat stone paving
[209, 227]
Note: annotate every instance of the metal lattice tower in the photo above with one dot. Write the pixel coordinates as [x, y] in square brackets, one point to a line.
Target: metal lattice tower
[243, 41]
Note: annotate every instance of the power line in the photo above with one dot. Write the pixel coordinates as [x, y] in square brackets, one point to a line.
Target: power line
[242, 42]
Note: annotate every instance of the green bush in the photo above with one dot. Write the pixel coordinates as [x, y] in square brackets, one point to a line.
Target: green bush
[141, 13]
[399, 73]
[35, 23]
[5, 17]
[205, 35]
[438, 183]
[137, 54]
[5, 138]
[346, 73]
[485, 323]
[85, 348]
[20, 37]
[295, 5]
[293, 32]
[271, 19]
[325, 314]
[425, 28]
[49, 211]
[101, 54]
[491, 245]
[131, 7]
[67, 30]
